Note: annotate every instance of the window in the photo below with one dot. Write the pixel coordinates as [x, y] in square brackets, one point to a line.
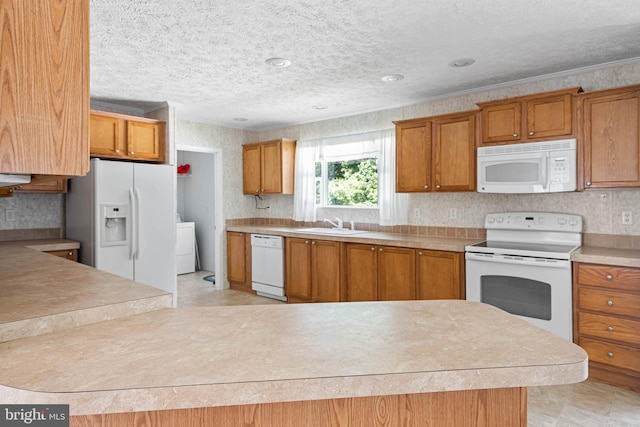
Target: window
[352, 182]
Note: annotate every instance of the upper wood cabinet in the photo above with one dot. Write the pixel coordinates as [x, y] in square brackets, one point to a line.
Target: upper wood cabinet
[313, 270]
[268, 167]
[45, 80]
[119, 136]
[610, 130]
[43, 185]
[529, 118]
[436, 153]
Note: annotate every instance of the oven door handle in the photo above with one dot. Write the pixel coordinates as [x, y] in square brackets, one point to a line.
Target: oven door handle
[510, 259]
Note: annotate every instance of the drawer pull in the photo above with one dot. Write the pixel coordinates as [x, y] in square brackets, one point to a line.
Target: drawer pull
[609, 277]
[70, 253]
[609, 354]
[609, 302]
[610, 329]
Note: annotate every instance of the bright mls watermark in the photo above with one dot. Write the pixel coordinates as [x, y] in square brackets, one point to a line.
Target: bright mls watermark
[34, 415]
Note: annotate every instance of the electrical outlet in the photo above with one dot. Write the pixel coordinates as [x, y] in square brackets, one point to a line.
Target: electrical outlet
[10, 215]
[453, 213]
[627, 218]
[416, 213]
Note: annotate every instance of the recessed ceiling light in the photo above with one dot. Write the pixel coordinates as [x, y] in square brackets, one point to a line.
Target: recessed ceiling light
[278, 62]
[240, 119]
[461, 62]
[392, 78]
[320, 107]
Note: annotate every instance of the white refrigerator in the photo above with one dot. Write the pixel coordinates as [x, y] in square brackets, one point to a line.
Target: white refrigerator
[124, 216]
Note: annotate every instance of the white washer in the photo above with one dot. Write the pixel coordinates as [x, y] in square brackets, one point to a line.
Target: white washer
[185, 247]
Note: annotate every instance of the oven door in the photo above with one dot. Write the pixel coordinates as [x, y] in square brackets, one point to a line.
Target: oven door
[535, 289]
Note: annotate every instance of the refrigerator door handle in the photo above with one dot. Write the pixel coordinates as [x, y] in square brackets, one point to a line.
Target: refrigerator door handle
[132, 217]
[137, 221]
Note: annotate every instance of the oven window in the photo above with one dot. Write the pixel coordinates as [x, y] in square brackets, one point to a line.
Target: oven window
[517, 295]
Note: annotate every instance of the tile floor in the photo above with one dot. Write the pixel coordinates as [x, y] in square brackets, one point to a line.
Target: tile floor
[587, 404]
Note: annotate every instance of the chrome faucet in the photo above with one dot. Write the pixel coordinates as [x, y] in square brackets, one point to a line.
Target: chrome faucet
[338, 225]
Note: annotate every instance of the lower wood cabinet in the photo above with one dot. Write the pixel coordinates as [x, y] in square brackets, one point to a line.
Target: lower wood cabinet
[380, 273]
[239, 261]
[607, 321]
[439, 275]
[70, 254]
[313, 270]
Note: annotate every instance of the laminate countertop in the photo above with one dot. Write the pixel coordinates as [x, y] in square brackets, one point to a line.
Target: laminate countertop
[42, 293]
[588, 254]
[240, 355]
[453, 244]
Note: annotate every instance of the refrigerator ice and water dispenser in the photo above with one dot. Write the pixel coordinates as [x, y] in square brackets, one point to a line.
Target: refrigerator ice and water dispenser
[114, 225]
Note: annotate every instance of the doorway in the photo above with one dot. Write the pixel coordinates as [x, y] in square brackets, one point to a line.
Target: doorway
[199, 200]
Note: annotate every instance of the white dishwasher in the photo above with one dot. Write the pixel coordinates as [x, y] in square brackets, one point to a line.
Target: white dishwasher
[267, 266]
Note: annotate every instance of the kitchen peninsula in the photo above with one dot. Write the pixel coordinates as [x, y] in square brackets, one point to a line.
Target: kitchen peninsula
[367, 363]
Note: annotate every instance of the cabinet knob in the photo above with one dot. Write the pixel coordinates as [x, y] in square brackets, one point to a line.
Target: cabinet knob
[426, 187]
[306, 242]
[609, 277]
[262, 190]
[373, 249]
[380, 249]
[610, 329]
[132, 153]
[588, 183]
[420, 253]
[117, 151]
[515, 135]
[241, 234]
[609, 302]
[70, 253]
[531, 133]
[609, 354]
[438, 186]
[313, 243]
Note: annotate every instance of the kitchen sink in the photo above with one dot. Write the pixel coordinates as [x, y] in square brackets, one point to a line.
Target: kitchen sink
[331, 231]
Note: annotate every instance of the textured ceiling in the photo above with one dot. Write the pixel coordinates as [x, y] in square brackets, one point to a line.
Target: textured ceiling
[208, 56]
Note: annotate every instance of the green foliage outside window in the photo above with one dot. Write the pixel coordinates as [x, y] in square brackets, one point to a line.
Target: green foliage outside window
[353, 183]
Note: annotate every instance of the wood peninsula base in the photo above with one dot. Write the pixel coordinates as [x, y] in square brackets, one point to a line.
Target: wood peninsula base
[488, 407]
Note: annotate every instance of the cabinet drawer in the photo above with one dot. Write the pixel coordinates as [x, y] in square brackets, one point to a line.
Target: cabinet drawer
[609, 276]
[608, 302]
[609, 327]
[71, 254]
[611, 354]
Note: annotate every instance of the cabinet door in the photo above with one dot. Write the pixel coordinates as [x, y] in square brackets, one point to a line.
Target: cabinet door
[251, 167]
[501, 123]
[438, 275]
[454, 159]
[396, 273]
[361, 272]
[106, 136]
[611, 138]
[236, 258]
[271, 174]
[298, 268]
[45, 87]
[325, 271]
[45, 186]
[550, 116]
[145, 140]
[413, 157]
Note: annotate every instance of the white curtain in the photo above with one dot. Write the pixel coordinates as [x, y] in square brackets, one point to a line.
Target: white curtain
[392, 206]
[304, 183]
[381, 144]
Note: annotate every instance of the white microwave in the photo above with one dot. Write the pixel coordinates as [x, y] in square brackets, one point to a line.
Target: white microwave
[537, 167]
